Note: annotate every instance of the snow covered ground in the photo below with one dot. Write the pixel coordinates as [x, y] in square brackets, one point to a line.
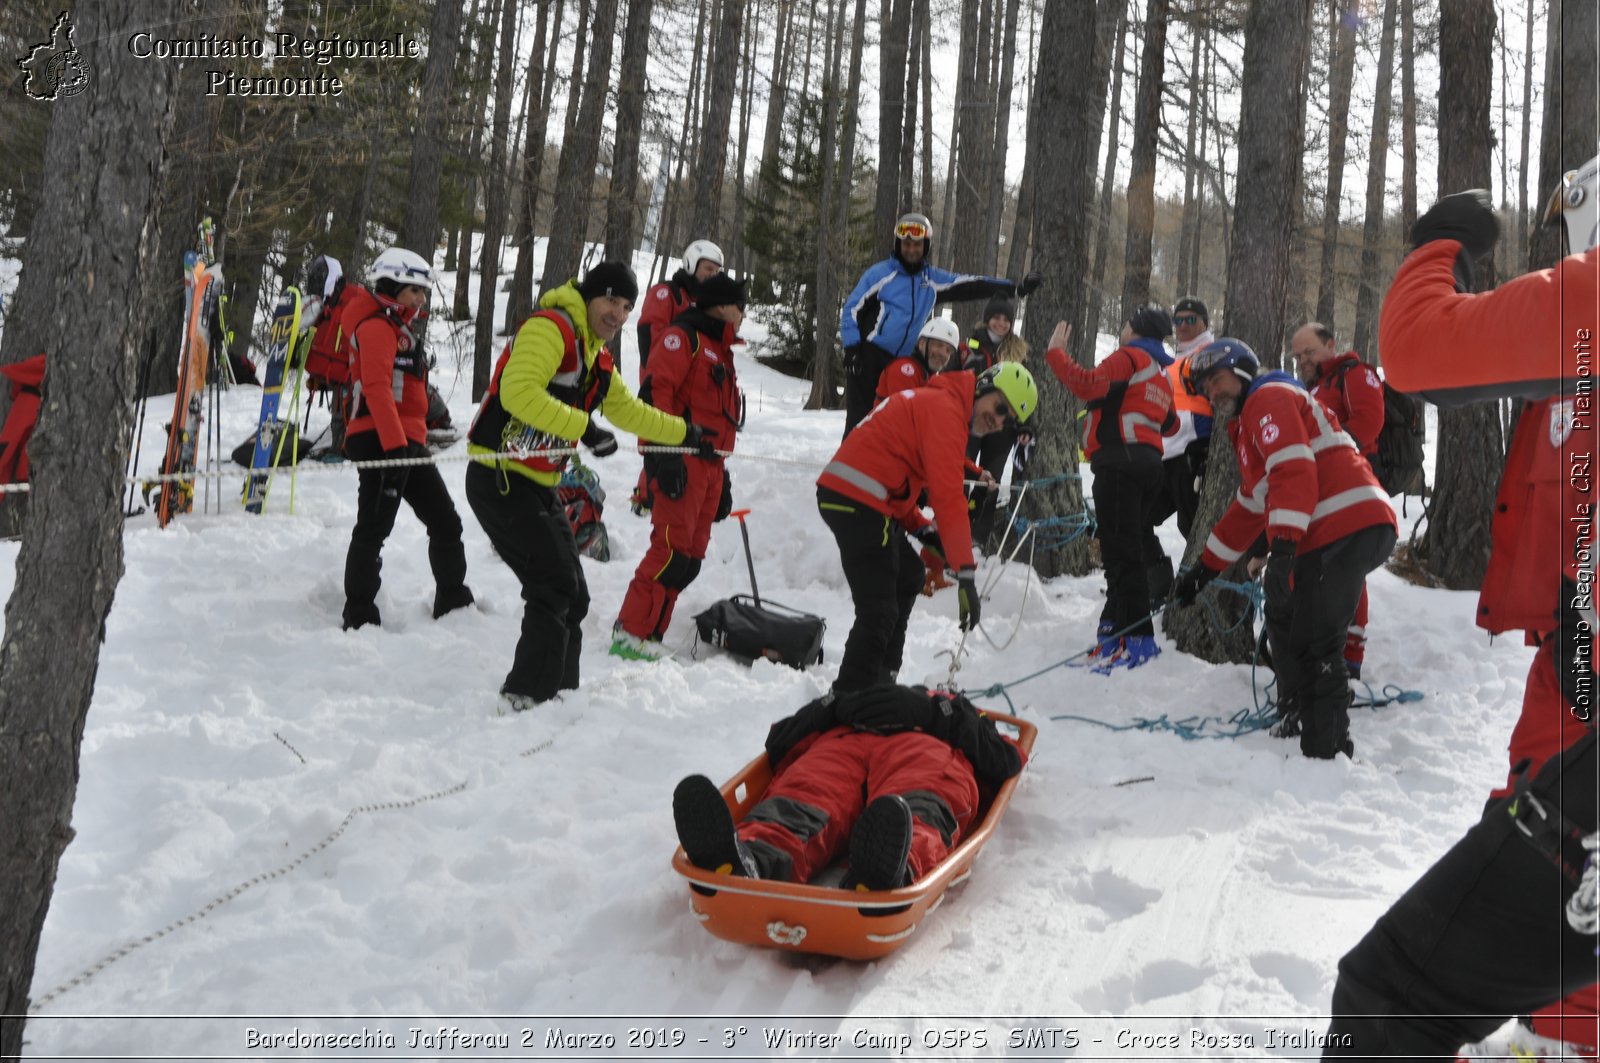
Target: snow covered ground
[289, 829]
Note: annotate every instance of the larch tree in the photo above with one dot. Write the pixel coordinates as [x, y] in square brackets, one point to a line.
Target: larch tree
[1455, 548]
[80, 299]
[1372, 232]
[712, 161]
[575, 173]
[1142, 161]
[536, 124]
[1102, 214]
[495, 204]
[420, 231]
[621, 228]
[1343, 62]
[1071, 95]
[1276, 55]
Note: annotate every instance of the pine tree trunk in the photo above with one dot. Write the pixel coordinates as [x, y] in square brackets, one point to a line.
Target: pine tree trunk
[908, 119]
[1022, 223]
[823, 393]
[575, 174]
[494, 213]
[1344, 65]
[1001, 139]
[1569, 109]
[1186, 226]
[461, 306]
[420, 231]
[621, 233]
[1521, 256]
[1455, 550]
[1071, 81]
[747, 69]
[712, 162]
[1276, 54]
[1102, 214]
[926, 196]
[71, 556]
[1377, 188]
[541, 79]
[1408, 117]
[892, 102]
[1142, 173]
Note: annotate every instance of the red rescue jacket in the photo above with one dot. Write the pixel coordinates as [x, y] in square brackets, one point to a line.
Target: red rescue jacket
[27, 380]
[900, 374]
[691, 374]
[662, 305]
[1351, 388]
[1129, 397]
[911, 442]
[389, 371]
[1533, 337]
[1300, 475]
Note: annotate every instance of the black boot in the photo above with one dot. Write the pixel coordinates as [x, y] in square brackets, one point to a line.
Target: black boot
[880, 845]
[356, 616]
[448, 601]
[706, 830]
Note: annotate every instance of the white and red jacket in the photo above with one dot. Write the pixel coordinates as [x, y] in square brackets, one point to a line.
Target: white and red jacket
[1351, 388]
[900, 374]
[915, 440]
[1300, 475]
[1129, 395]
[661, 306]
[690, 373]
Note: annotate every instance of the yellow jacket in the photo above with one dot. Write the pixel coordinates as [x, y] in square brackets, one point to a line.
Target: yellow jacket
[535, 359]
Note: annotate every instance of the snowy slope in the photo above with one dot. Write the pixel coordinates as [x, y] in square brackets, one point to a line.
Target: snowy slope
[384, 845]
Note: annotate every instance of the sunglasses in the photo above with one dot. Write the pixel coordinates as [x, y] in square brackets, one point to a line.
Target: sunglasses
[1008, 416]
[1186, 319]
[911, 230]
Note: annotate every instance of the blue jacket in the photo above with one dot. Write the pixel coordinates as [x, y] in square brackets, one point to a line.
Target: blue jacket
[889, 305]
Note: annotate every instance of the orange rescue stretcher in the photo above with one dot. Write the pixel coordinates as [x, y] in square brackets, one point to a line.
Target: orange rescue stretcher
[808, 917]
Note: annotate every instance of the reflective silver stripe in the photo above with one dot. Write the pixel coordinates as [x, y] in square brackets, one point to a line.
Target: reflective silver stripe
[1130, 421]
[1222, 550]
[1150, 370]
[1357, 630]
[1294, 452]
[868, 294]
[565, 379]
[1289, 518]
[1249, 502]
[856, 478]
[1353, 497]
[1331, 440]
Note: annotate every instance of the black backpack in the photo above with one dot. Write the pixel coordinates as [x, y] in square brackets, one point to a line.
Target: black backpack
[1398, 462]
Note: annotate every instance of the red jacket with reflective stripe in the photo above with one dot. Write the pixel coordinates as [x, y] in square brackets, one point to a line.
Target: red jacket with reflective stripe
[391, 375]
[1351, 388]
[1531, 337]
[661, 307]
[1129, 396]
[911, 442]
[1300, 475]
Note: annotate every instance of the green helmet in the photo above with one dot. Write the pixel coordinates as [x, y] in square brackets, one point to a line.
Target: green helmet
[1013, 381]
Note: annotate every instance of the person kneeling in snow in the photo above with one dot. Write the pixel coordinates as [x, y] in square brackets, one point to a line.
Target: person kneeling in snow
[891, 772]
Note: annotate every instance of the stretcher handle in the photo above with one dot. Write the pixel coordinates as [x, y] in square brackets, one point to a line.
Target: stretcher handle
[744, 533]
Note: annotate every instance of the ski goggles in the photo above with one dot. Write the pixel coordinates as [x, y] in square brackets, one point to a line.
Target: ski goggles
[911, 230]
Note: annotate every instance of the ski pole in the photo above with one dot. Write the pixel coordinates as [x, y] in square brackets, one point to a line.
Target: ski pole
[749, 561]
[144, 405]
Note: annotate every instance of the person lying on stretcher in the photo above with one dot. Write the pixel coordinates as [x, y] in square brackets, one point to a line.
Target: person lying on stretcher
[890, 773]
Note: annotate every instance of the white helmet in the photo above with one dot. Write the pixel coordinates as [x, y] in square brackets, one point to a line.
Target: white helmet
[942, 328]
[1576, 201]
[698, 250]
[401, 266]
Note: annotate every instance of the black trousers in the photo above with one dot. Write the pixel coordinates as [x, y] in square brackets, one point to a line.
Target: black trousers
[1480, 937]
[1126, 482]
[990, 452]
[378, 499]
[530, 532]
[885, 577]
[1308, 634]
[863, 366]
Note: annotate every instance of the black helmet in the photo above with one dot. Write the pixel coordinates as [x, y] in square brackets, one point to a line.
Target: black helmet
[1222, 356]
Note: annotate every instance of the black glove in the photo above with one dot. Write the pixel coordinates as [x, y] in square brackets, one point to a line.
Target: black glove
[669, 472]
[1191, 580]
[866, 359]
[1575, 651]
[1466, 217]
[886, 709]
[602, 443]
[702, 440]
[928, 536]
[967, 600]
[1276, 579]
[725, 503]
[1197, 454]
[1029, 284]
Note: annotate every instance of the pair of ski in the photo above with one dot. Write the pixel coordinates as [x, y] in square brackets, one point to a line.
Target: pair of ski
[271, 431]
[175, 492]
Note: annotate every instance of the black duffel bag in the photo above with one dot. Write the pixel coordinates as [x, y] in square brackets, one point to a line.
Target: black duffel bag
[749, 629]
